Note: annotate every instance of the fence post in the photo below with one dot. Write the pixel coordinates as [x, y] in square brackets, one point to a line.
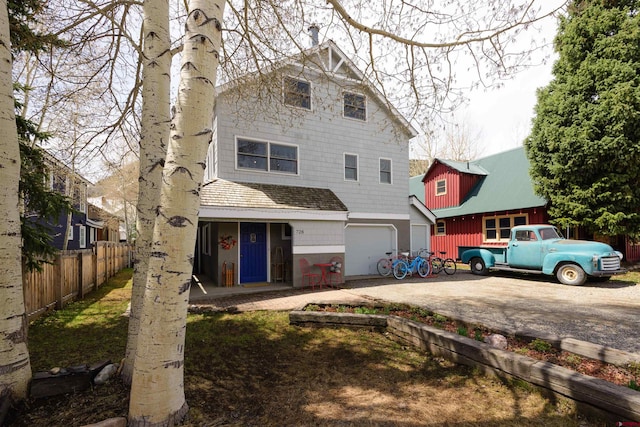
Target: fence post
[58, 289]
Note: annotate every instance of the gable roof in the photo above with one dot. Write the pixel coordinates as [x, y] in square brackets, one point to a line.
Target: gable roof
[329, 59]
[506, 185]
[230, 194]
[471, 168]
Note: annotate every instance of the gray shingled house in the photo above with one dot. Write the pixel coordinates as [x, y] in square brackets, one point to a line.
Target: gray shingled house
[307, 161]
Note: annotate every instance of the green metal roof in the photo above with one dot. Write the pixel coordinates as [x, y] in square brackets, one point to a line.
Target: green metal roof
[506, 185]
[416, 187]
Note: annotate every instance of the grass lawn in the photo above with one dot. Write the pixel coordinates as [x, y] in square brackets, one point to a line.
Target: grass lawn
[254, 369]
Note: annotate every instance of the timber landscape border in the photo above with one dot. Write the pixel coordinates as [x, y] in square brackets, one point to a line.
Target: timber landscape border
[593, 396]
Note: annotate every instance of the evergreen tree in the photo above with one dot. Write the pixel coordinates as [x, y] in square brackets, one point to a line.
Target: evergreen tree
[584, 146]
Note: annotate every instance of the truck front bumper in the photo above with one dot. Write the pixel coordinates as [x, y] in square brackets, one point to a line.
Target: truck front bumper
[599, 273]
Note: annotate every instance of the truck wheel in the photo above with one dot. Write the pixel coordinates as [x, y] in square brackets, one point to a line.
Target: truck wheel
[478, 267]
[571, 274]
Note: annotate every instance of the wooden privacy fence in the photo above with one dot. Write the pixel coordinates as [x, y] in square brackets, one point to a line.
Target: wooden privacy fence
[72, 275]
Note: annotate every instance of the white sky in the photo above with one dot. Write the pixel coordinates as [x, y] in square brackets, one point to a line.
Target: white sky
[503, 116]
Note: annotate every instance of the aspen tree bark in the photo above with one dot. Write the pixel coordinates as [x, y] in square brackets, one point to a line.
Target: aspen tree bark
[156, 82]
[15, 367]
[157, 389]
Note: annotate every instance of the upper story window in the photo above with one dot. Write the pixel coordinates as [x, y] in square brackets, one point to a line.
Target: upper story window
[80, 197]
[498, 228]
[297, 93]
[267, 156]
[355, 106]
[441, 187]
[351, 167]
[385, 171]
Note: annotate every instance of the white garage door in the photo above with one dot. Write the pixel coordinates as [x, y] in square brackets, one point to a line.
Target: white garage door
[365, 245]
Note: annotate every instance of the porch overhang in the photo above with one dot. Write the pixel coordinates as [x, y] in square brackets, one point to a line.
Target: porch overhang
[229, 200]
[221, 213]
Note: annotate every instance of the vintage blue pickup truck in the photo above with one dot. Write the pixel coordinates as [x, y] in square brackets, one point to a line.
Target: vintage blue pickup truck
[541, 249]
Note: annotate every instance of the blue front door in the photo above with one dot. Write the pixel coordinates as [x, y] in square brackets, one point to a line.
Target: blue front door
[253, 252]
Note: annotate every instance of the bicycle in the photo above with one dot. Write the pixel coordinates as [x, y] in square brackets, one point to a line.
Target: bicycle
[440, 263]
[407, 266]
[385, 265]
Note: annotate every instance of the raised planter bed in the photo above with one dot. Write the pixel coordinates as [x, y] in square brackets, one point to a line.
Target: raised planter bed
[595, 396]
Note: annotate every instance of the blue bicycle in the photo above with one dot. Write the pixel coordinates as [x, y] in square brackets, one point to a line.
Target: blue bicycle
[408, 266]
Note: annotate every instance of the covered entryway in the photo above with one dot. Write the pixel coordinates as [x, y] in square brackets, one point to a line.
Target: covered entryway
[365, 245]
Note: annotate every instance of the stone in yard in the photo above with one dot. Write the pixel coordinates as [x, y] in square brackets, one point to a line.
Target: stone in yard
[496, 340]
[106, 373]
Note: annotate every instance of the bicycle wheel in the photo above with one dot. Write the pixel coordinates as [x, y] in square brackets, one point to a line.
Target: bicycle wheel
[449, 266]
[400, 270]
[436, 265]
[384, 267]
[423, 268]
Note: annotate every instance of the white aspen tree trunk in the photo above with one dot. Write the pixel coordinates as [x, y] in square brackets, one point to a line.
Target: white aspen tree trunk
[157, 390]
[156, 85]
[15, 367]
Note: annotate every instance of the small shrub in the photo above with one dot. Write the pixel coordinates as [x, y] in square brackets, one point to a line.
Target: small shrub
[312, 307]
[365, 310]
[634, 385]
[540, 345]
[477, 335]
[438, 318]
[463, 331]
[422, 312]
[574, 360]
[342, 309]
[634, 367]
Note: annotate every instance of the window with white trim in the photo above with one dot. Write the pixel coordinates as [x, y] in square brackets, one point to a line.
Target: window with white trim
[498, 228]
[266, 156]
[82, 236]
[70, 236]
[355, 106]
[385, 171]
[297, 93]
[441, 187]
[441, 228]
[350, 167]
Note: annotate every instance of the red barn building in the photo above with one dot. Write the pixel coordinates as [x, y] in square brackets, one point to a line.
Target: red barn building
[476, 203]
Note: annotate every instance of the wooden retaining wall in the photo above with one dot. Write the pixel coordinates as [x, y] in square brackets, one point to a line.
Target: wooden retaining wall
[72, 275]
[592, 395]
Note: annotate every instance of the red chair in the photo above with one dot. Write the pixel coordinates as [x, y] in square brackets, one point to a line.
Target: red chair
[312, 279]
[335, 271]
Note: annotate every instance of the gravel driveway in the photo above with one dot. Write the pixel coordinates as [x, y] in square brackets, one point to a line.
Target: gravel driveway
[601, 313]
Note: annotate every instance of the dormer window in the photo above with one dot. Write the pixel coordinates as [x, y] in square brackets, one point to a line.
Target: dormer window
[355, 106]
[441, 187]
[297, 93]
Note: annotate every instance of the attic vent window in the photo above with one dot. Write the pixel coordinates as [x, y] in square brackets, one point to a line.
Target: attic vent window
[441, 187]
[355, 106]
[297, 93]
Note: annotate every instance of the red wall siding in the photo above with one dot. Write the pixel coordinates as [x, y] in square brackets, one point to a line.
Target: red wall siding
[458, 186]
[453, 196]
[632, 251]
[467, 230]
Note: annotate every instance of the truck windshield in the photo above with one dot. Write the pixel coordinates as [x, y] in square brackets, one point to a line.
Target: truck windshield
[549, 233]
